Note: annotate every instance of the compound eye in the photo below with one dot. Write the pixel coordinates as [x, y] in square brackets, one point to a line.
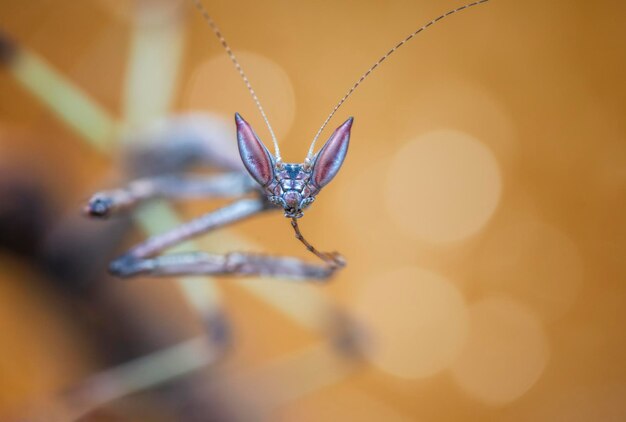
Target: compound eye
[277, 200]
[306, 202]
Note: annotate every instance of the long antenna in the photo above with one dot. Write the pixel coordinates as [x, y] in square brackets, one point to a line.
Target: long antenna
[310, 155]
[230, 53]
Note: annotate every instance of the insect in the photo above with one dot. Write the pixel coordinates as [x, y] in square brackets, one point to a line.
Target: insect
[274, 184]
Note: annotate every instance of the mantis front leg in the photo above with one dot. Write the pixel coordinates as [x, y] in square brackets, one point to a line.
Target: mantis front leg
[106, 203]
[142, 260]
[233, 263]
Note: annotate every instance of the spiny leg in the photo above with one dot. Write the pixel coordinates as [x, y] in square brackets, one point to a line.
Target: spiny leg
[141, 260]
[233, 263]
[106, 203]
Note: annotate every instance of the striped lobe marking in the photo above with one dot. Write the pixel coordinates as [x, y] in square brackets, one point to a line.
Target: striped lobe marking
[256, 158]
[331, 156]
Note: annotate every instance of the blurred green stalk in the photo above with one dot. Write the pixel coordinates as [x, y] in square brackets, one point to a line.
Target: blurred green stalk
[63, 98]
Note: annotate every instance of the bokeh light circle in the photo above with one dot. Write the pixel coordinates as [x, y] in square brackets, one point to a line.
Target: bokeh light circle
[443, 186]
[505, 353]
[447, 99]
[417, 319]
[216, 85]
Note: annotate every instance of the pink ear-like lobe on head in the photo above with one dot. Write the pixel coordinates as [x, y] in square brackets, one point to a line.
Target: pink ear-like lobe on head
[256, 158]
[331, 156]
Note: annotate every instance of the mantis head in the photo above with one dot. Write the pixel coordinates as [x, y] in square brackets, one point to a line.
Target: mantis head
[292, 186]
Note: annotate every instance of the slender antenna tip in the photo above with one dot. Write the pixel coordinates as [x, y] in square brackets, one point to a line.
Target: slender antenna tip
[378, 63]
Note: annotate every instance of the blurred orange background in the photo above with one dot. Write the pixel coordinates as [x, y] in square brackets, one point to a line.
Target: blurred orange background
[480, 208]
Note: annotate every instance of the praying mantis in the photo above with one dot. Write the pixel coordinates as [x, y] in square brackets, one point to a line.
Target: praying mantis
[263, 183]
[257, 180]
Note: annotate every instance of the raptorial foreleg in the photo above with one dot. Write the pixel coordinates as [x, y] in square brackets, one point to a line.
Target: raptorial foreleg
[233, 263]
[106, 203]
[142, 258]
